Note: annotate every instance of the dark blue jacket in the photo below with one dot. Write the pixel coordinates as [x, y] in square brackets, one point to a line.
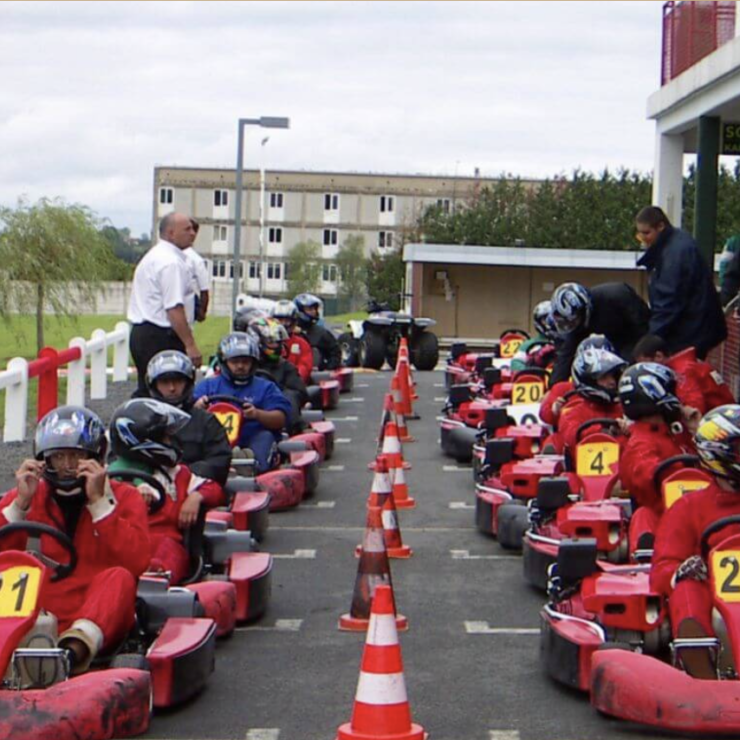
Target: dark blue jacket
[685, 309]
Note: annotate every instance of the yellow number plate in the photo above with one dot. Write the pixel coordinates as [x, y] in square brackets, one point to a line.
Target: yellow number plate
[527, 393]
[230, 422]
[596, 458]
[673, 490]
[511, 346]
[726, 572]
[19, 591]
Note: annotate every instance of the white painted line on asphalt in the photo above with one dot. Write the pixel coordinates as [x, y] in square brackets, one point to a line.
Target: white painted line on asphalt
[296, 555]
[318, 528]
[343, 440]
[334, 468]
[439, 385]
[320, 505]
[343, 418]
[456, 468]
[465, 555]
[356, 399]
[461, 505]
[270, 733]
[483, 628]
[497, 735]
[362, 385]
[281, 625]
[439, 399]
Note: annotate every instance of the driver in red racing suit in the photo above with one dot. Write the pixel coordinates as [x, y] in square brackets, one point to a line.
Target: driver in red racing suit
[296, 350]
[67, 487]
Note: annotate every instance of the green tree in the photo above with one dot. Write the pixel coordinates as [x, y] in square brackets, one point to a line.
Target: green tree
[57, 248]
[352, 265]
[304, 268]
[385, 275]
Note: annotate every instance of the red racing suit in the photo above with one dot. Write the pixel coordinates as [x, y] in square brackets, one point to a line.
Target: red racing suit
[647, 446]
[556, 392]
[112, 543]
[168, 552]
[578, 410]
[678, 538]
[699, 384]
[298, 351]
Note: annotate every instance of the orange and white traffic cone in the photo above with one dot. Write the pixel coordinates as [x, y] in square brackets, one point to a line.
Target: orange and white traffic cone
[373, 570]
[381, 494]
[384, 419]
[403, 352]
[398, 412]
[381, 710]
[392, 448]
[401, 489]
[404, 386]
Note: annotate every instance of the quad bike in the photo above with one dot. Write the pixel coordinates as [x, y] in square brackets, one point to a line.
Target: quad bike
[369, 343]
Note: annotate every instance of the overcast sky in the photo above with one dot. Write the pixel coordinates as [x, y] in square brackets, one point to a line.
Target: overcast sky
[94, 95]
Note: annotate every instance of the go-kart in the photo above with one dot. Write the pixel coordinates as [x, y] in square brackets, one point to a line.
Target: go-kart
[369, 343]
[605, 631]
[323, 393]
[298, 474]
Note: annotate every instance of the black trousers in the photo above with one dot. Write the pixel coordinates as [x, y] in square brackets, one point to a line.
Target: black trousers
[145, 341]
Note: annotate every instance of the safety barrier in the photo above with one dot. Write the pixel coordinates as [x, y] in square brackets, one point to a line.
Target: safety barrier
[14, 380]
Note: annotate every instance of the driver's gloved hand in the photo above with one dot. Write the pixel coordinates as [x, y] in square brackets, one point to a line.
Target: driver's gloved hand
[694, 568]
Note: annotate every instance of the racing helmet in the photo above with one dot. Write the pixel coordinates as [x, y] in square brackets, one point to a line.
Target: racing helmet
[272, 335]
[542, 319]
[167, 365]
[718, 442]
[590, 365]
[597, 341]
[571, 307]
[307, 300]
[244, 315]
[143, 430]
[284, 310]
[238, 344]
[648, 388]
[69, 428]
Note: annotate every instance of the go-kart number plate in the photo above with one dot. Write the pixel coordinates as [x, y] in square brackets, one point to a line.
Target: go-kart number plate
[19, 591]
[726, 572]
[510, 347]
[531, 392]
[524, 414]
[230, 421]
[596, 459]
[673, 490]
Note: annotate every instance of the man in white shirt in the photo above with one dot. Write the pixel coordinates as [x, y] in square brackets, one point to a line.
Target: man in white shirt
[200, 283]
[159, 295]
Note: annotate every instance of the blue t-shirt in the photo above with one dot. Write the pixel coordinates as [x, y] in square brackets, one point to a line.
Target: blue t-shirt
[260, 392]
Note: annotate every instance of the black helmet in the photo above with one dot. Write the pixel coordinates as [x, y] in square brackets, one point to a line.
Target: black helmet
[718, 442]
[167, 365]
[596, 341]
[244, 315]
[648, 388]
[143, 430]
[238, 344]
[272, 336]
[302, 302]
[590, 365]
[543, 321]
[69, 428]
[571, 307]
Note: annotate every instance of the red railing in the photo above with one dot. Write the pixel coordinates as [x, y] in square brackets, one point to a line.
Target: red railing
[691, 31]
[46, 368]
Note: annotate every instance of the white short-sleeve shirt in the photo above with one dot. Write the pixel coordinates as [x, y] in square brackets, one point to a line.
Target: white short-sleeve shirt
[161, 282]
[199, 281]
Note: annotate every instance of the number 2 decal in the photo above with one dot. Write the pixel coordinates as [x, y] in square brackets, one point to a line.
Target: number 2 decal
[726, 575]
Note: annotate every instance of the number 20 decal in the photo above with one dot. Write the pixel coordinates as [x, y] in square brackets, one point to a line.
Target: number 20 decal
[527, 393]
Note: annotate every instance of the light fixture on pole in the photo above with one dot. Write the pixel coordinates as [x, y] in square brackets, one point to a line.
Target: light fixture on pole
[261, 268]
[264, 122]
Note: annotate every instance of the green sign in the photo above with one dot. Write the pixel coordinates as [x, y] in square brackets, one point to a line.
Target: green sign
[731, 139]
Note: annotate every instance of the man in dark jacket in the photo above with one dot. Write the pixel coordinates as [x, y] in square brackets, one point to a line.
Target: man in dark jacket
[170, 377]
[685, 309]
[612, 309]
[324, 343]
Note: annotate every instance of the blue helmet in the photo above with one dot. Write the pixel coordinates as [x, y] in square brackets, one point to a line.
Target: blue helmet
[592, 364]
[648, 388]
[596, 341]
[170, 364]
[571, 307]
[307, 300]
[238, 344]
[543, 321]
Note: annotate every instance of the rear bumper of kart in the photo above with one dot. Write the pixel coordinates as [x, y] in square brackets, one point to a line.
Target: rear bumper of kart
[457, 441]
[345, 376]
[251, 573]
[639, 688]
[538, 555]
[487, 502]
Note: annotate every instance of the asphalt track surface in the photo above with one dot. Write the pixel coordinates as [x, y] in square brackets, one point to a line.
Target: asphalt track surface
[296, 680]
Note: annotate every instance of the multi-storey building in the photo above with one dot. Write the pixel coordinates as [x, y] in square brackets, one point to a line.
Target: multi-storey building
[324, 207]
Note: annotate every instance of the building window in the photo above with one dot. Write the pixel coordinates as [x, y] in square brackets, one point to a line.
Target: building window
[444, 204]
[220, 233]
[219, 268]
[255, 269]
[276, 200]
[386, 204]
[385, 239]
[166, 196]
[329, 273]
[285, 270]
[274, 270]
[331, 202]
[275, 235]
[330, 237]
[220, 198]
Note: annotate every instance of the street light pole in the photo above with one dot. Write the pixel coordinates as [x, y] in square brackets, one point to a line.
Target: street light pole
[262, 218]
[264, 122]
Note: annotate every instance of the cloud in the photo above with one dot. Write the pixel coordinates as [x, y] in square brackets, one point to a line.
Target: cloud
[95, 94]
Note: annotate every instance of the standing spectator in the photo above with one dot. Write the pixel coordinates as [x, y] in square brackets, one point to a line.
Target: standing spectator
[611, 309]
[685, 308]
[159, 296]
[200, 283]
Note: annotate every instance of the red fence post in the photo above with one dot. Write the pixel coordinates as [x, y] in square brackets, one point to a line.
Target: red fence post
[48, 390]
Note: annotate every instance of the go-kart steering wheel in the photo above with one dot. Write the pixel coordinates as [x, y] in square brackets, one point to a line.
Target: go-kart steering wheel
[714, 527]
[605, 421]
[225, 398]
[60, 570]
[131, 475]
[521, 332]
[688, 461]
[540, 372]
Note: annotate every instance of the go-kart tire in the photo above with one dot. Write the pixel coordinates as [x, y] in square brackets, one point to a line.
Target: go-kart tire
[425, 351]
[130, 660]
[350, 349]
[513, 521]
[372, 350]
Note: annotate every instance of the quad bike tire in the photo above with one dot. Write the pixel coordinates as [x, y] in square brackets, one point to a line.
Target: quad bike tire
[372, 350]
[425, 351]
[350, 348]
[391, 354]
